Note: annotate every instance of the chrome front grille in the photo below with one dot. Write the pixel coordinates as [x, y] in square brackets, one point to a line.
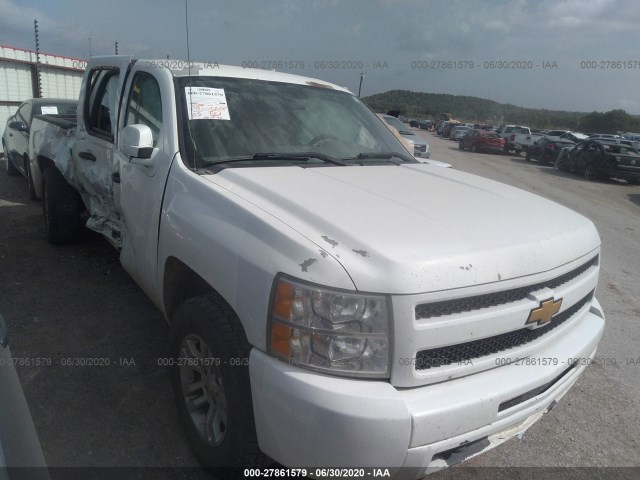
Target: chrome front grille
[464, 352]
[462, 332]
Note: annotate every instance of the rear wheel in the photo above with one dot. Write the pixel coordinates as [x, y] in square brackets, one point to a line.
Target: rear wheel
[32, 188]
[210, 376]
[9, 168]
[62, 207]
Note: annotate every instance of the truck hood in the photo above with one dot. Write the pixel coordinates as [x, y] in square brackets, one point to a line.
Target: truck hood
[416, 228]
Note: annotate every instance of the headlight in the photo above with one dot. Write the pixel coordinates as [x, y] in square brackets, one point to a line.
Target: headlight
[330, 330]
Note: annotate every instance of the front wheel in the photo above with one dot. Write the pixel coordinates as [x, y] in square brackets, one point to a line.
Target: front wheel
[590, 173]
[562, 164]
[210, 375]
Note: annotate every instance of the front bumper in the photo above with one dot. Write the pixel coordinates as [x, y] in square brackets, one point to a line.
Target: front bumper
[306, 419]
[622, 172]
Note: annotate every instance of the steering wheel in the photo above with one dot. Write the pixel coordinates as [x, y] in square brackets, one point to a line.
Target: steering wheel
[320, 138]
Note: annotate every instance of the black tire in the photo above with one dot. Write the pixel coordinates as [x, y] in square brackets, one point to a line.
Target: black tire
[474, 148]
[208, 321]
[62, 208]
[527, 157]
[590, 173]
[562, 164]
[31, 186]
[634, 181]
[9, 168]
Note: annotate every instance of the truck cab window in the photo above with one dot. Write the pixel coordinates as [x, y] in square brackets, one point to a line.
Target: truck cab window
[145, 104]
[102, 103]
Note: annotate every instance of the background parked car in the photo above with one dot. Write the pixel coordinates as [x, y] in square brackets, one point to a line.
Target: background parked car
[15, 140]
[477, 140]
[598, 159]
[420, 146]
[459, 131]
[553, 133]
[424, 124]
[546, 149]
[575, 137]
[446, 131]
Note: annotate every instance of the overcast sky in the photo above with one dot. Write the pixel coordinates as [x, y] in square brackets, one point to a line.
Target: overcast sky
[387, 38]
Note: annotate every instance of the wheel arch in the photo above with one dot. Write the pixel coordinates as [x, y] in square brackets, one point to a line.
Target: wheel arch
[181, 283]
[43, 163]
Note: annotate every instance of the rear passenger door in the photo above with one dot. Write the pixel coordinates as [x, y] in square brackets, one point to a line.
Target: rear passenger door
[93, 154]
[588, 152]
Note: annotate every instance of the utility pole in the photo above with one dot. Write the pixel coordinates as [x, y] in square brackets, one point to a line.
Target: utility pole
[38, 83]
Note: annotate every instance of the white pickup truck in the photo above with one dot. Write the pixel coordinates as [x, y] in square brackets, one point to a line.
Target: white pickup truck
[517, 138]
[333, 302]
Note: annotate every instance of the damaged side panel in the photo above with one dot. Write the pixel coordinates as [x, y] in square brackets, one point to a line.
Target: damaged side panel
[86, 158]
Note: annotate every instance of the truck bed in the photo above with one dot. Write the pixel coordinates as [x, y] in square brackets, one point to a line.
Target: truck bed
[63, 121]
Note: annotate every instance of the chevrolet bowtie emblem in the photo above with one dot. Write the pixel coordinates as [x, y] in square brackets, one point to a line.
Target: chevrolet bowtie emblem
[545, 312]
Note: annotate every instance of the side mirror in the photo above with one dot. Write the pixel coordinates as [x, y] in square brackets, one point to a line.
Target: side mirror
[18, 125]
[137, 144]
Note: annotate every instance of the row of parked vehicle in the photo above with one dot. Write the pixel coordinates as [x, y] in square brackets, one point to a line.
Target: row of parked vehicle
[596, 156]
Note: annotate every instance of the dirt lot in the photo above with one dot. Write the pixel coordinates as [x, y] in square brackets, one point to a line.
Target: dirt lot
[77, 302]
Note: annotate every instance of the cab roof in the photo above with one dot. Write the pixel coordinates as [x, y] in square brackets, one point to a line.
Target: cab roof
[180, 68]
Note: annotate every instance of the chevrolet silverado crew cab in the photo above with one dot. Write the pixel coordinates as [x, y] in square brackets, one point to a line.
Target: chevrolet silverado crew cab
[333, 302]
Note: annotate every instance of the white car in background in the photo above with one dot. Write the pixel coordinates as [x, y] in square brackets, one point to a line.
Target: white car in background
[460, 131]
[574, 136]
[421, 147]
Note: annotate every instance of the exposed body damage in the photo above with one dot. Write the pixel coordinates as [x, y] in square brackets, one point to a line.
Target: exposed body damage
[306, 244]
[95, 187]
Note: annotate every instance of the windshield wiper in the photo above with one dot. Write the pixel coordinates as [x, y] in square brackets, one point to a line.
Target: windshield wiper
[276, 156]
[298, 156]
[382, 156]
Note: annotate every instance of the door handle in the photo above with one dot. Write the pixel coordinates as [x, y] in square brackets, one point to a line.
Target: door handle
[115, 176]
[87, 156]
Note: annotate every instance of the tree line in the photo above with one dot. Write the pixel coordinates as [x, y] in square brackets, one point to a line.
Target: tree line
[480, 110]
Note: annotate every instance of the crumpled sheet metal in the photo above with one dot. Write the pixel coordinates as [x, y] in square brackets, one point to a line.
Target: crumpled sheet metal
[95, 186]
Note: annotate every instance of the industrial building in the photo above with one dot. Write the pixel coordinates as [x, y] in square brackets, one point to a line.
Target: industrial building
[22, 77]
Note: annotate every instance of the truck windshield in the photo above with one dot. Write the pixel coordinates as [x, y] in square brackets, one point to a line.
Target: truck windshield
[237, 118]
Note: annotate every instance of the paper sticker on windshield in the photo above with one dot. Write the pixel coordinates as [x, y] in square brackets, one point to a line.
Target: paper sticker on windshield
[204, 103]
[49, 110]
